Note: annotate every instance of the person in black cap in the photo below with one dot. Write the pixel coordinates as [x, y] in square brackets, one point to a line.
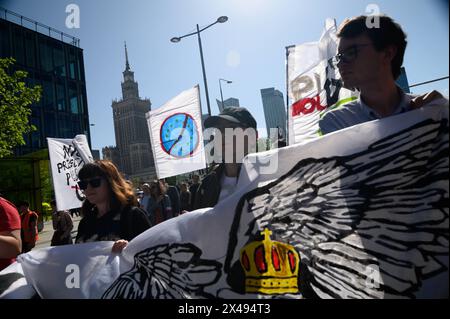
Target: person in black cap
[222, 179]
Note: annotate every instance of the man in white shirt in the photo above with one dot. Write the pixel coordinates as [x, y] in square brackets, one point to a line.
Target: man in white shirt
[369, 60]
[222, 179]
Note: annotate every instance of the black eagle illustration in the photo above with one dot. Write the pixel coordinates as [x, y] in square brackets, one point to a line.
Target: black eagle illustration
[383, 209]
[172, 271]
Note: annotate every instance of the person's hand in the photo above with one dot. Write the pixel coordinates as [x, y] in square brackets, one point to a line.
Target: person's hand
[119, 246]
[424, 99]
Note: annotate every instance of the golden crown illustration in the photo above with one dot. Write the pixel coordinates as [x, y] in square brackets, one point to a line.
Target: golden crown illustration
[270, 267]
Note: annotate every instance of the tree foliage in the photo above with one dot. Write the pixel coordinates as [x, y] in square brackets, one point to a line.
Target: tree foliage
[16, 99]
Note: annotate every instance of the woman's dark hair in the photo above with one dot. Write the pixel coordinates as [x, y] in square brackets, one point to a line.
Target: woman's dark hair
[122, 194]
[387, 33]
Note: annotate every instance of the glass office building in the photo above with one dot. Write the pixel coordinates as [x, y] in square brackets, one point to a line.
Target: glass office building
[54, 61]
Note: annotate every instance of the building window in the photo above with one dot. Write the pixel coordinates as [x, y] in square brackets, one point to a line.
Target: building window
[76, 125]
[60, 97]
[4, 40]
[82, 101]
[30, 50]
[45, 56]
[64, 126]
[48, 102]
[36, 135]
[73, 99]
[59, 61]
[50, 124]
[72, 64]
[80, 69]
[19, 52]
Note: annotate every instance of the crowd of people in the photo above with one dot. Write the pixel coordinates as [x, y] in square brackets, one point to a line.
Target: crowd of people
[369, 60]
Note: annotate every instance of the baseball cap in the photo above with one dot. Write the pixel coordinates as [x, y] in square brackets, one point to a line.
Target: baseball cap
[236, 115]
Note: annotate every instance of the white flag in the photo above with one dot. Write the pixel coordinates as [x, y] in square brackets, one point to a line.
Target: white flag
[314, 84]
[176, 135]
[362, 219]
[67, 156]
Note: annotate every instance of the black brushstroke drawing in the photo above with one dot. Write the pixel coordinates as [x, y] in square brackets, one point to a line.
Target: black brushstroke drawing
[386, 206]
[79, 195]
[171, 271]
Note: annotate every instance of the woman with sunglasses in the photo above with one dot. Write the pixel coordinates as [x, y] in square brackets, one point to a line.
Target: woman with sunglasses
[110, 211]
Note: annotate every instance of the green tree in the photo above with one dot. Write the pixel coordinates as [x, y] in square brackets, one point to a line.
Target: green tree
[16, 99]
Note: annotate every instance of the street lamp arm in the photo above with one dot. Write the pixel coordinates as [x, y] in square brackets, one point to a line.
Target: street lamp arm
[187, 35]
[221, 19]
[196, 32]
[208, 26]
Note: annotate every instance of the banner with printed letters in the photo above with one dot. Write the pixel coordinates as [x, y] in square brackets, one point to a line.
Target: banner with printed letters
[314, 85]
[67, 156]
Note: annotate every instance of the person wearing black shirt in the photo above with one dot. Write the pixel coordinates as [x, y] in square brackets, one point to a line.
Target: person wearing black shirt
[111, 211]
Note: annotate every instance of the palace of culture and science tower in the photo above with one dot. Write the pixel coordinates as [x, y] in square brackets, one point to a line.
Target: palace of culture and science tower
[132, 153]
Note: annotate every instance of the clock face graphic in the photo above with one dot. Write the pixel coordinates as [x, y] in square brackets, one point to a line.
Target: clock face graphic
[179, 135]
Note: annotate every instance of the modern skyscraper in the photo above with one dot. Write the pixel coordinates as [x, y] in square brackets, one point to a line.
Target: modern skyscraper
[274, 110]
[231, 102]
[54, 61]
[130, 126]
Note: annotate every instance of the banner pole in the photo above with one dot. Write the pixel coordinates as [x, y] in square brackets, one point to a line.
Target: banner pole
[287, 93]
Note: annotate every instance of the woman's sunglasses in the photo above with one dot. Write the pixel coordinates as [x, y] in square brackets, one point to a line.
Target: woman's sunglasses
[95, 182]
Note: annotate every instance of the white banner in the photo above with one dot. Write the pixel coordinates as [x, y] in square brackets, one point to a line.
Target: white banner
[176, 135]
[67, 156]
[314, 85]
[359, 213]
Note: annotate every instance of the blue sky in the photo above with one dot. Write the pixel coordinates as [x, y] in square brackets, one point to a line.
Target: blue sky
[249, 49]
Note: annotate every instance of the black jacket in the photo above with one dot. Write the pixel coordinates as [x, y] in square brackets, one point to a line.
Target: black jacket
[208, 191]
[114, 225]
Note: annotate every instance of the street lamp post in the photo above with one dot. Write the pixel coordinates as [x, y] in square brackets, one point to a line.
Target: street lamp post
[220, 86]
[221, 19]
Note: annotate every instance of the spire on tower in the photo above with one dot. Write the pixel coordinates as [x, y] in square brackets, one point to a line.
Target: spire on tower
[127, 64]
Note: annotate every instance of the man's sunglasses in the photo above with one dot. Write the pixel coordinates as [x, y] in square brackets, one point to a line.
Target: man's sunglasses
[348, 55]
[95, 182]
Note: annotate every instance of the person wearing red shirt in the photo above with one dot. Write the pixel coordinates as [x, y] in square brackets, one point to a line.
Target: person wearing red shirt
[29, 220]
[10, 242]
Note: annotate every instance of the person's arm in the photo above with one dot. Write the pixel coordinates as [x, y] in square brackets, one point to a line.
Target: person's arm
[33, 225]
[328, 124]
[80, 231]
[167, 205]
[10, 244]
[176, 207]
[68, 225]
[118, 246]
[140, 222]
[188, 199]
[55, 220]
[425, 99]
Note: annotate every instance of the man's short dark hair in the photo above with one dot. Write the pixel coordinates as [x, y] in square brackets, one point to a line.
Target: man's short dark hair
[388, 33]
